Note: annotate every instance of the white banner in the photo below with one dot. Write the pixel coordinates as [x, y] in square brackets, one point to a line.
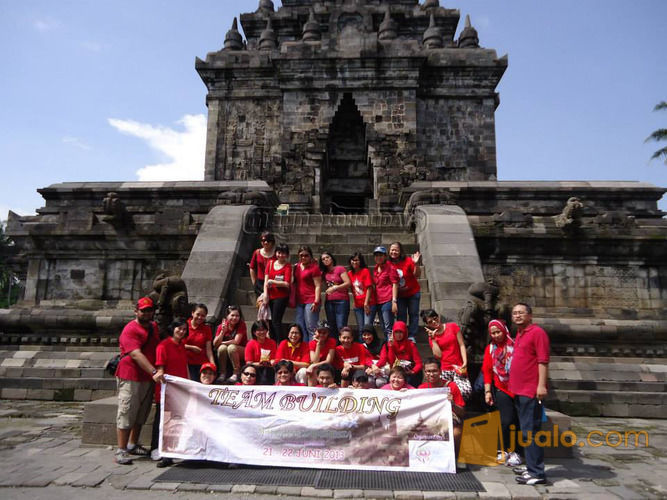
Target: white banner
[308, 426]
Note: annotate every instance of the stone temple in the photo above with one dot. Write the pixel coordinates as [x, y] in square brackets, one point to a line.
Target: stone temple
[363, 122]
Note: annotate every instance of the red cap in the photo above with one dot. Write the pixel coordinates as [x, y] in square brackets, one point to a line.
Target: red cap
[208, 366]
[145, 303]
[400, 325]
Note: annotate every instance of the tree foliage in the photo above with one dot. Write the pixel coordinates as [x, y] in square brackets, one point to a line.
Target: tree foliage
[659, 136]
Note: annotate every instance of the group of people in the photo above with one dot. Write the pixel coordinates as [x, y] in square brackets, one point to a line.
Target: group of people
[390, 290]
[329, 353]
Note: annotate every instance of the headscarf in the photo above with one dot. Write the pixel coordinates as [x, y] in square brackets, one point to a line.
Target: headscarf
[402, 346]
[501, 353]
[376, 345]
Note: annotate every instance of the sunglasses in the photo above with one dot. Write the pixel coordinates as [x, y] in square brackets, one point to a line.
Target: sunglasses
[249, 374]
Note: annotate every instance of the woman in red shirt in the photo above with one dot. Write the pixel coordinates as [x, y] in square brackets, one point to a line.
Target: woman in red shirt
[260, 258]
[496, 370]
[200, 341]
[337, 302]
[385, 278]
[446, 341]
[409, 291]
[170, 359]
[261, 352]
[277, 280]
[361, 284]
[308, 283]
[295, 350]
[400, 351]
[285, 373]
[229, 342]
[353, 356]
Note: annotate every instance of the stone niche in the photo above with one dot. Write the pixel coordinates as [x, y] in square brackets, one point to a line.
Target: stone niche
[360, 97]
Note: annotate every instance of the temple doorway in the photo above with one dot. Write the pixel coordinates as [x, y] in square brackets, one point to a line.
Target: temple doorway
[346, 183]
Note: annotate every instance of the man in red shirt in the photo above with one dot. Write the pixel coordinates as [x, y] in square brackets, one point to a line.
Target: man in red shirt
[528, 382]
[134, 377]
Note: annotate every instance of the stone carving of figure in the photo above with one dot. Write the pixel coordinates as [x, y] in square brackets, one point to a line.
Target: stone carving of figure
[569, 220]
[115, 212]
[170, 296]
[481, 307]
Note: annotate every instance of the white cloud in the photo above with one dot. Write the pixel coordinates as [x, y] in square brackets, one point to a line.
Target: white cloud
[45, 25]
[185, 150]
[75, 141]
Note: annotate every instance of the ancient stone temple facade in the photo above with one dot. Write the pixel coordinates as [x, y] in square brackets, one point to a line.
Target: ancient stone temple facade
[339, 104]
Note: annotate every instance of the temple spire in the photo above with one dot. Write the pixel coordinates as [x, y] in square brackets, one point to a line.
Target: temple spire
[268, 39]
[311, 30]
[432, 36]
[266, 5]
[233, 39]
[428, 4]
[468, 37]
[388, 28]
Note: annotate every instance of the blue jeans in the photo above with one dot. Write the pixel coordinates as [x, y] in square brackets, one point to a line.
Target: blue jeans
[387, 317]
[529, 411]
[364, 319]
[307, 320]
[410, 306]
[338, 313]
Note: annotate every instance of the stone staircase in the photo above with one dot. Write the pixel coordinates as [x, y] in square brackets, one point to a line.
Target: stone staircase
[340, 235]
[64, 371]
[608, 386]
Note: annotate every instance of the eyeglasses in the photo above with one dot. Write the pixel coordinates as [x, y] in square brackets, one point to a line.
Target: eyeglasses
[249, 374]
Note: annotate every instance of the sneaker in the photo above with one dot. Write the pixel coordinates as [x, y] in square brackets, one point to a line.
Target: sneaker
[165, 462]
[139, 451]
[529, 479]
[155, 455]
[513, 459]
[233, 379]
[122, 457]
[521, 469]
[500, 457]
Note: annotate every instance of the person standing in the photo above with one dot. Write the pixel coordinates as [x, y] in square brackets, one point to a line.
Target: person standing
[277, 282]
[260, 259]
[337, 284]
[134, 377]
[386, 289]
[528, 382]
[363, 291]
[199, 345]
[409, 291]
[308, 283]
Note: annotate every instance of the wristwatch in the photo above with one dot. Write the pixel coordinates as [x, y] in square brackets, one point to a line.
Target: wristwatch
[154, 371]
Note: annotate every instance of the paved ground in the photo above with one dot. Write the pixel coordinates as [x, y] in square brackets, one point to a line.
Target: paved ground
[41, 457]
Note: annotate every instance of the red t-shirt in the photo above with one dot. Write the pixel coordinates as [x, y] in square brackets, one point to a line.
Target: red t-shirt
[240, 328]
[361, 282]
[300, 353]
[134, 336]
[173, 357]
[256, 352]
[258, 263]
[449, 345]
[198, 337]
[457, 399]
[283, 274]
[405, 351]
[305, 285]
[332, 278]
[384, 280]
[324, 350]
[407, 283]
[355, 355]
[490, 375]
[531, 347]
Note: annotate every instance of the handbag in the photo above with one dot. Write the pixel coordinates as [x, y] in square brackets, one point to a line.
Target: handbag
[112, 365]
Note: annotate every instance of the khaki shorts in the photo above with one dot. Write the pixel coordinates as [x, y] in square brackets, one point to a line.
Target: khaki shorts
[134, 402]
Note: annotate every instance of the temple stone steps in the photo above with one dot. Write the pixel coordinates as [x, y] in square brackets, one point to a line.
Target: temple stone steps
[608, 386]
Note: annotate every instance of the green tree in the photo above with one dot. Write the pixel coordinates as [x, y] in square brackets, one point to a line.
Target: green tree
[659, 135]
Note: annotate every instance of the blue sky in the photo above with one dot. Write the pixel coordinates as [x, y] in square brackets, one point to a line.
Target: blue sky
[106, 90]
